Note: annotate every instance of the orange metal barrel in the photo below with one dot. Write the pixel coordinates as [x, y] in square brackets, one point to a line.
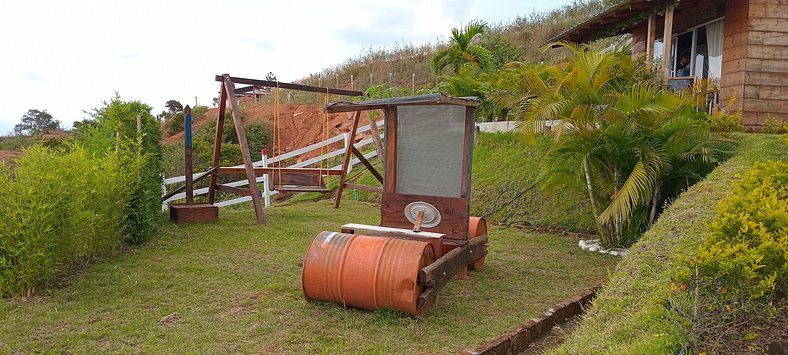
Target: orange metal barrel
[365, 272]
[478, 226]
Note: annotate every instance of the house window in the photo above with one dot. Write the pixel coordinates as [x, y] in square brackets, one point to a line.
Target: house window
[696, 53]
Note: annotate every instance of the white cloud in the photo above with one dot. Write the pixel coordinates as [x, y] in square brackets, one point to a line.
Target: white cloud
[67, 57]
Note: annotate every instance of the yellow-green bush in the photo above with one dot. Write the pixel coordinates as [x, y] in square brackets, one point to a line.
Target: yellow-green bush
[741, 267]
[114, 129]
[725, 121]
[56, 208]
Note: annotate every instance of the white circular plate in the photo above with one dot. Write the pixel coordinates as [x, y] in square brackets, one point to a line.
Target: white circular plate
[431, 218]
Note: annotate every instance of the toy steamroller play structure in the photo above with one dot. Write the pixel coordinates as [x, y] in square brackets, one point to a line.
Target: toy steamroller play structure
[426, 236]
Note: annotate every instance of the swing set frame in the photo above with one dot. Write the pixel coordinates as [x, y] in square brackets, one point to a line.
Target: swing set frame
[227, 94]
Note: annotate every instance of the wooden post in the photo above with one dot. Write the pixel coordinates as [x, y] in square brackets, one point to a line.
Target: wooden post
[390, 182]
[346, 162]
[650, 38]
[667, 39]
[217, 143]
[187, 149]
[266, 179]
[229, 88]
[373, 125]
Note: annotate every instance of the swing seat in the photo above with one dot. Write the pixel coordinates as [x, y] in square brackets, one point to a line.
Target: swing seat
[297, 182]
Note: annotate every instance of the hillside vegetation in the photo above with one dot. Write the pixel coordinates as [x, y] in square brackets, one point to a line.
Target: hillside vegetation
[506, 188]
[409, 64]
[633, 314]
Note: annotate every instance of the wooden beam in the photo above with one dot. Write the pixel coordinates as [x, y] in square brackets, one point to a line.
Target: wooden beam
[467, 148]
[183, 187]
[229, 87]
[651, 34]
[290, 86]
[217, 143]
[373, 125]
[368, 165]
[384, 104]
[436, 275]
[346, 162]
[234, 190]
[667, 38]
[173, 193]
[272, 169]
[390, 182]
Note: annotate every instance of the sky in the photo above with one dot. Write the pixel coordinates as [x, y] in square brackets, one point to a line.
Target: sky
[68, 57]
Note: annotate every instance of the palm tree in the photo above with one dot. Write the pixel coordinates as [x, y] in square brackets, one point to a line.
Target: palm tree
[630, 141]
[460, 50]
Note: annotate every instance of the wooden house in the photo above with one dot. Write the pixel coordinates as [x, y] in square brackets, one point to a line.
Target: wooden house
[741, 45]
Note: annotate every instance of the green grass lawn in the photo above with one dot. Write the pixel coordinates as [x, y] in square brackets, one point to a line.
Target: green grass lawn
[233, 286]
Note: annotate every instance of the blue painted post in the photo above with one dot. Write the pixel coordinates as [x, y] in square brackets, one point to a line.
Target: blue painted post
[187, 126]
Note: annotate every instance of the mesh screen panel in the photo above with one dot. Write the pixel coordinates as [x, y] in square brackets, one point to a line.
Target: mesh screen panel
[430, 150]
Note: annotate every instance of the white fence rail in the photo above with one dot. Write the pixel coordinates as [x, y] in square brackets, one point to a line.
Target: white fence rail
[266, 161]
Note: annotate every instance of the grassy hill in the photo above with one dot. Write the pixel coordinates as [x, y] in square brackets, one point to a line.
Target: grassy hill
[517, 40]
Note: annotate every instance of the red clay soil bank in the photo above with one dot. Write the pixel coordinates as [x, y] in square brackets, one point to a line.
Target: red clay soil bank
[301, 125]
[519, 339]
[7, 156]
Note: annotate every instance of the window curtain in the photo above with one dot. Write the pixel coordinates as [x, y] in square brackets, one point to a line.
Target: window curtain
[714, 38]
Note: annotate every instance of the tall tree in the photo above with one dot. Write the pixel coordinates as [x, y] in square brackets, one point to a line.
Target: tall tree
[174, 106]
[461, 51]
[36, 122]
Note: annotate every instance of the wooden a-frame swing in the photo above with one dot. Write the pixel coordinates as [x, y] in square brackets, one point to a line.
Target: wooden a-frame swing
[281, 176]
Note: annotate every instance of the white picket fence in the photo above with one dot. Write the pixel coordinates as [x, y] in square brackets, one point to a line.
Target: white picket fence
[270, 161]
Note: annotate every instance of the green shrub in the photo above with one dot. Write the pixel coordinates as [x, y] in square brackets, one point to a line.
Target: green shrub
[258, 135]
[199, 111]
[772, 125]
[57, 208]
[175, 123]
[140, 154]
[741, 266]
[725, 121]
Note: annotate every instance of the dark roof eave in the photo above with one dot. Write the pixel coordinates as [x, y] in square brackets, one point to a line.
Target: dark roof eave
[590, 29]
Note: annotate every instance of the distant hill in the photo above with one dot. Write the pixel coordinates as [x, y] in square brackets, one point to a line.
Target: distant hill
[410, 64]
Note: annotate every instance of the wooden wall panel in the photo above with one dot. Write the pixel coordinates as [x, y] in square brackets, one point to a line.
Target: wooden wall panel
[734, 52]
[768, 38]
[766, 92]
[766, 79]
[767, 52]
[766, 65]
